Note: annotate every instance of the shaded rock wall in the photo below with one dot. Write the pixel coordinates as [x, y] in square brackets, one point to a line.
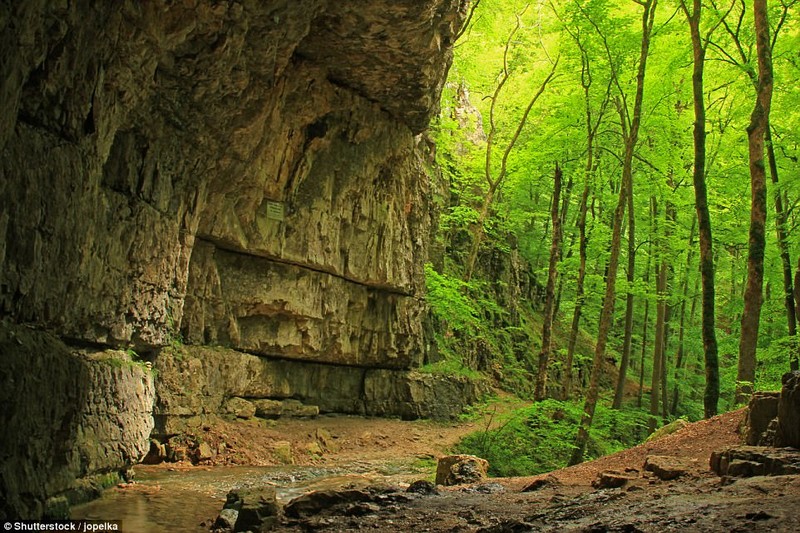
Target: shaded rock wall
[68, 415]
[194, 383]
[268, 307]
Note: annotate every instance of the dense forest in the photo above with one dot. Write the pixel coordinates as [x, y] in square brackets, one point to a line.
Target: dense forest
[619, 233]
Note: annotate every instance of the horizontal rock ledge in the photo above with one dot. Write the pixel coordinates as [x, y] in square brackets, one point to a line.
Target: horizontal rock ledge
[195, 381]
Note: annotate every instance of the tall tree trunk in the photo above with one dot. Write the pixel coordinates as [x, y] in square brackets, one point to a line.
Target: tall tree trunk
[793, 358]
[583, 239]
[664, 367]
[579, 284]
[607, 312]
[670, 222]
[660, 326]
[645, 325]
[756, 130]
[783, 245]
[682, 321]
[564, 212]
[710, 349]
[626, 343]
[540, 392]
[658, 348]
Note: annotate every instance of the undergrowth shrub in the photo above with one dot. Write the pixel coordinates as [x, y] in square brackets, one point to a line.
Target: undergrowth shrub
[474, 333]
[539, 438]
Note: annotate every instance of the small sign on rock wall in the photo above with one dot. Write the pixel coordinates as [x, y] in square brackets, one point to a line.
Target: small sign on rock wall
[275, 211]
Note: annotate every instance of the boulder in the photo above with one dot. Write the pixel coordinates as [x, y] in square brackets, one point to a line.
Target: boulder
[67, 415]
[226, 519]
[157, 453]
[665, 468]
[461, 470]
[422, 486]
[176, 449]
[282, 451]
[538, 484]
[326, 440]
[345, 502]
[789, 411]
[746, 461]
[256, 507]
[269, 409]
[762, 409]
[611, 479]
[272, 409]
[203, 453]
[239, 407]
[743, 468]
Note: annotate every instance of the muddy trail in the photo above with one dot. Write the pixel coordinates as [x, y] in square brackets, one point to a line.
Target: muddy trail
[374, 461]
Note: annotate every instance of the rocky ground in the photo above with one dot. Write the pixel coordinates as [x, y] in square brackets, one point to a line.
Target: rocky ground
[564, 500]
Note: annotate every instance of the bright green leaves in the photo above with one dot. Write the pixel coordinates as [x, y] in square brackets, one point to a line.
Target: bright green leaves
[449, 302]
[538, 439]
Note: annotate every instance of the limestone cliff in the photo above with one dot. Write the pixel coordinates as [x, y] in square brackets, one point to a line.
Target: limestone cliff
[72, 419]
[131, 129]
[247, 174]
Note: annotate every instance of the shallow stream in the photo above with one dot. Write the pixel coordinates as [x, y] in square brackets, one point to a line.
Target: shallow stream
[189, 499]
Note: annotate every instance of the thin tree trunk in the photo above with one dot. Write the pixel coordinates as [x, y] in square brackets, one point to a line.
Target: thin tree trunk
[564, 212]
[607, 312]
[664, 367]
[670, 222]
[658, 349]
[682, 321]
[793, 357]
[645, 325]
[579, 284]
[783, 245]
[540, 392]
[591, 130]
[756, 130]
[710, 349]
[695, 292]
[626, 343]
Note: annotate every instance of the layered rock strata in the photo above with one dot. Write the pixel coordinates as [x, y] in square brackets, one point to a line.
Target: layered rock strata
[195, 383]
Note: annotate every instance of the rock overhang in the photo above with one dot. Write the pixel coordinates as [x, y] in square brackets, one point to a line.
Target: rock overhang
[393, 53]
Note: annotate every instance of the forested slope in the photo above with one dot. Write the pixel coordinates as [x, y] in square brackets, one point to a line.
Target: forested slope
[620, 177]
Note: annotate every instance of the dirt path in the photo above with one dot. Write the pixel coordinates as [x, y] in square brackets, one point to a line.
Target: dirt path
[340, 439]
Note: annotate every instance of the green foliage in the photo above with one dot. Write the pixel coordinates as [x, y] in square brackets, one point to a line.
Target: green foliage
[450, 366]
[539, 438]
[128, 358]
[447, 297]
[477, 325]
[476, 332]
[773, 362]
